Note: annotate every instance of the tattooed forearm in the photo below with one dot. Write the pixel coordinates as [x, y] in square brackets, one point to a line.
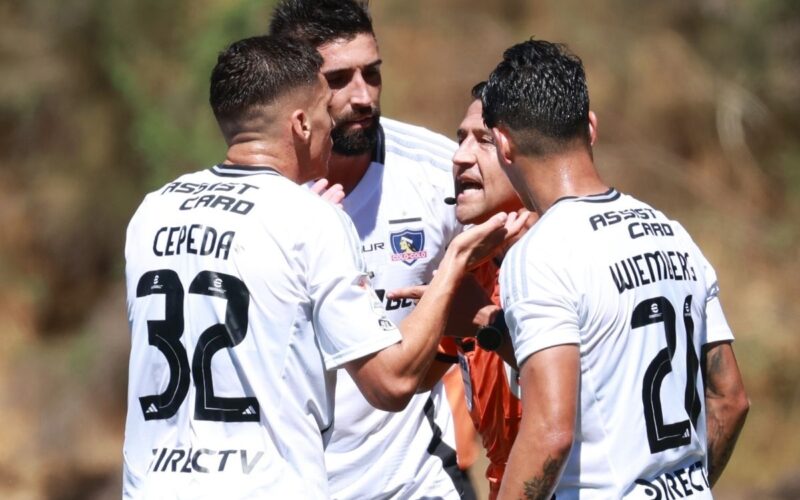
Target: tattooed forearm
[726, 407]
[721, 442]
[541, 487]
[714, 364]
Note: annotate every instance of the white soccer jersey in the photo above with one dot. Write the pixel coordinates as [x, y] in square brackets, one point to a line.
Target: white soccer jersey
[404, 226]
[628, 285]
[245, 293]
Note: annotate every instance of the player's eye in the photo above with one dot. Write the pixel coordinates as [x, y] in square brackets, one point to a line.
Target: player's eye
[337, 79]
[372, 75]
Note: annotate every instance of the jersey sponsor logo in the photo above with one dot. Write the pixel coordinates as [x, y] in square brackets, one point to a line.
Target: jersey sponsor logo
[371, 247]
[612, 217]
[408, 246]
[204, 460]
[215, 201]
[197, 188]
[680, 483]
[393, 304]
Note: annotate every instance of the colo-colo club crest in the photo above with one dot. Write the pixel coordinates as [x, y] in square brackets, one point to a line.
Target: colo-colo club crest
[408, 246]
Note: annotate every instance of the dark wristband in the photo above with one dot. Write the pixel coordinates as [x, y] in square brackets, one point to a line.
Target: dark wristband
[490, 337]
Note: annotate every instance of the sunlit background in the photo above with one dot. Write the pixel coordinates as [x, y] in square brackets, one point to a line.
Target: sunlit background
[103, 100]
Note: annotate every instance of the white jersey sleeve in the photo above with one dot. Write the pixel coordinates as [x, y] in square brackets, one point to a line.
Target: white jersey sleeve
[539, 299]
[339, 286]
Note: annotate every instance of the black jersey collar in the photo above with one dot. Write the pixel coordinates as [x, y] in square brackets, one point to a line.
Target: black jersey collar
[233, 170]
[610, 195]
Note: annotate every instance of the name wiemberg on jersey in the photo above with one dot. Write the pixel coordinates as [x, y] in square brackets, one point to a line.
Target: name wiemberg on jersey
[650, 267]
[203, 460]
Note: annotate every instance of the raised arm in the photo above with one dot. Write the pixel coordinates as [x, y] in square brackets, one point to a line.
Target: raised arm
[389, 378]
[726, 405]
[549, 382]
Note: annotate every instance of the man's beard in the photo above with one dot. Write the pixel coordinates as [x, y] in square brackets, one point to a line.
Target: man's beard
[354, 142]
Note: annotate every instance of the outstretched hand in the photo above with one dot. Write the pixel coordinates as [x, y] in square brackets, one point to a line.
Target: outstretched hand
[483, 241]
[472, 307]
[333, 194]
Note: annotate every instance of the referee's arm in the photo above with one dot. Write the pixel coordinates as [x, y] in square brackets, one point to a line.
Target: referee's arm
[726, 405]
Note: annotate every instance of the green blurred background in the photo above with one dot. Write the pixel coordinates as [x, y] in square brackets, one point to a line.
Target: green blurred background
[103, 100]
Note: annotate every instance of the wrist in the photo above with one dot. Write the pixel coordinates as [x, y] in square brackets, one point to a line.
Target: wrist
[492, 335]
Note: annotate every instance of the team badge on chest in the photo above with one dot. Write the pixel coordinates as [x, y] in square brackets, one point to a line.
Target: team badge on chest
[408, 246]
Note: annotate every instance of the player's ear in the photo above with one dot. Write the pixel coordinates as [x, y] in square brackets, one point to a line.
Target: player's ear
[506, 150]
[301, 125]
[592, 128]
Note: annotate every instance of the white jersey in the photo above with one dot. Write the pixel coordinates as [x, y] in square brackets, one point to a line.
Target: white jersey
[631, 288]
[245, 293]
[404, 226]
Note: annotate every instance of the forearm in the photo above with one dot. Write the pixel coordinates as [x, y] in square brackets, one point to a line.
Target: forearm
[726, 406]
[723, 425]
[549, 380]
[534, 467]
[423, 327]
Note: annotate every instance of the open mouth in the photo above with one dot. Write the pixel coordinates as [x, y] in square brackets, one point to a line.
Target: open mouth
[464, 186]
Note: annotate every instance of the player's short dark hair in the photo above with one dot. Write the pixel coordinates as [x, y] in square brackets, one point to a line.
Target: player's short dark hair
[256, 71]
[539, 92]
[478, 89]
[318, 22]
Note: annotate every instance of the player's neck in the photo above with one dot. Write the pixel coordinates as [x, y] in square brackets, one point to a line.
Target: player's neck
[348, 170]
[258, 153]
[568, 174]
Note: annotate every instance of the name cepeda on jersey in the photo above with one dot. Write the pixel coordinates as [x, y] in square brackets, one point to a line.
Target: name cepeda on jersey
[194, 239]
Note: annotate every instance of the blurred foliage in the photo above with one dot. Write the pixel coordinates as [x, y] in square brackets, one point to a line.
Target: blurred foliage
[103, 100]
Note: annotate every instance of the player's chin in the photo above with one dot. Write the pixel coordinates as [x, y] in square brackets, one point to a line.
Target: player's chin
[469, 213]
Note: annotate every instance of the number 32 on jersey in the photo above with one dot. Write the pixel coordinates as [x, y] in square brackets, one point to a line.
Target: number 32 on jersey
[165, 335]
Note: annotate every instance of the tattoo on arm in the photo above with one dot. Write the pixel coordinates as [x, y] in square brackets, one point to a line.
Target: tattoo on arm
[540, 488]
[724, 421]
[714, 364]
[720, 447]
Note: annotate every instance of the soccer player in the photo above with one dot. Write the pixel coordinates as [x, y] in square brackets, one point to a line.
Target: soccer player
[613, 311]
[247, 291]
[395, 177]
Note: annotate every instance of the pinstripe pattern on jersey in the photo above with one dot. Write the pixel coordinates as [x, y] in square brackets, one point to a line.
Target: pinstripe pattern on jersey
[418, 144]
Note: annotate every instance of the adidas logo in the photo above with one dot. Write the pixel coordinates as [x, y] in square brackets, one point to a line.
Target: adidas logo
[152, 408]
[249, 411]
